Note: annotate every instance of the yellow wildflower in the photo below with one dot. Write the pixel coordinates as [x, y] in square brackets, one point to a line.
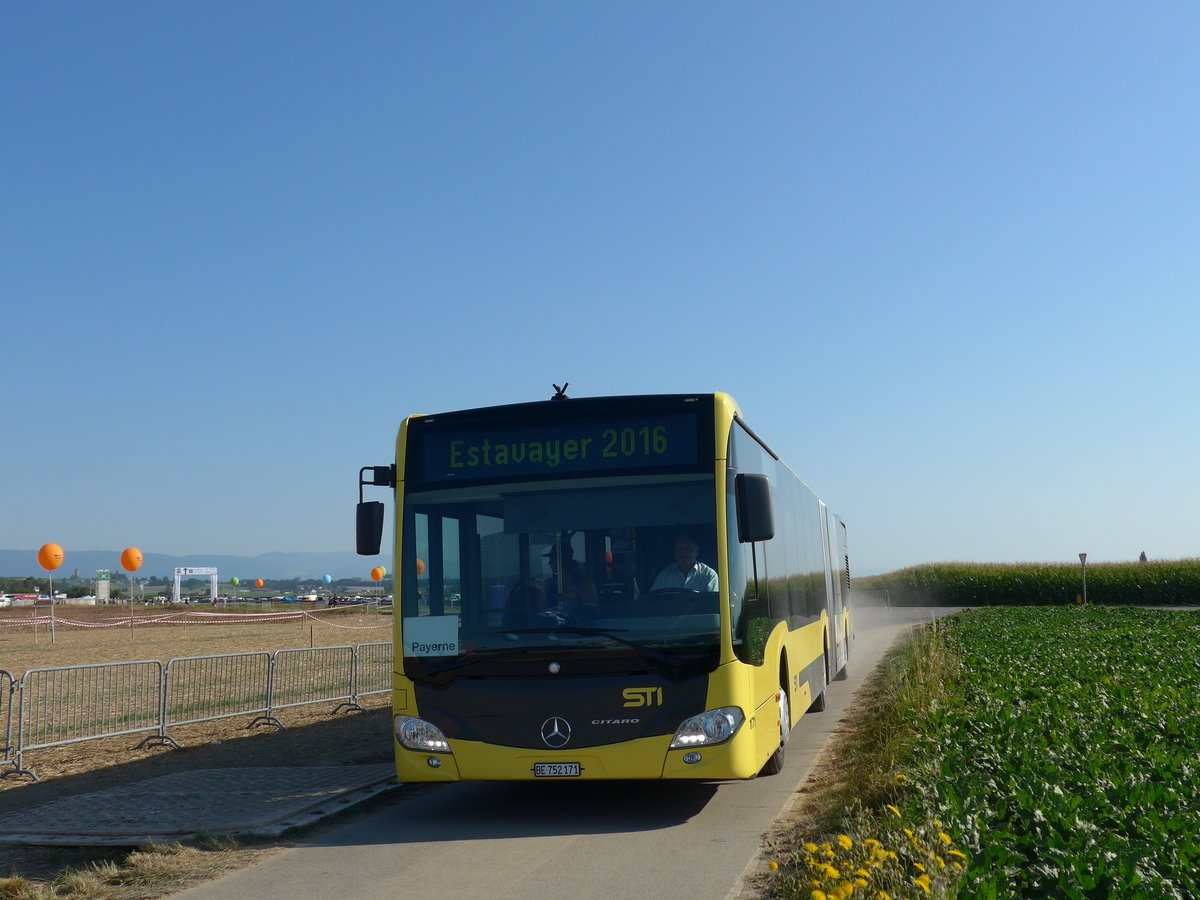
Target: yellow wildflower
[872, 844]
[941, 862]
[945, 838]
[772, 865]
[957, 853]
[918, 867]
[899, 780]
[811, 847]
[843, 890]
[844, 841]
[923, 882]
[895, 811]
[862, 873]
[819, 895]
[860, 882]
[882, 895]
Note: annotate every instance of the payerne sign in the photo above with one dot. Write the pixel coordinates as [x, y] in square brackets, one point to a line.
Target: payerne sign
[601, 444]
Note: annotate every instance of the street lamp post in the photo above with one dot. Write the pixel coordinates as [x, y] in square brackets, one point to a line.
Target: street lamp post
[1083, 566]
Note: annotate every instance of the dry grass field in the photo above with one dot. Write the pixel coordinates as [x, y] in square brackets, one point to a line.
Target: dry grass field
[24, 647]
[108, 635]
[314, 736]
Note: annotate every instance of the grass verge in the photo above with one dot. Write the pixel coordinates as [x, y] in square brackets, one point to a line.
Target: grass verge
[848, 835]
[155, 870]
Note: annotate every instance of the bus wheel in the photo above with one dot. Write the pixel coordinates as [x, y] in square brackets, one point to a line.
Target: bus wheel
[842, 674]
[818, 703]
[774, 765]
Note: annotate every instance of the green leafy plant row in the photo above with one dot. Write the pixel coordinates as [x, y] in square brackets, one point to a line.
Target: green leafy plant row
[1012, 753]
[1167, 583]
[1067, 756]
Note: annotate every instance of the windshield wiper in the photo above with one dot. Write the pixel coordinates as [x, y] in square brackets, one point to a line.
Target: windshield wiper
[469, 659]
[652, 652]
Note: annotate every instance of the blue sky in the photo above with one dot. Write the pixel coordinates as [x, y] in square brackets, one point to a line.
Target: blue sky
[943, 254]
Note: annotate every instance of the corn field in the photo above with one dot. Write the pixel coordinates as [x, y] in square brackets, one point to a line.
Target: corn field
[1166, 583]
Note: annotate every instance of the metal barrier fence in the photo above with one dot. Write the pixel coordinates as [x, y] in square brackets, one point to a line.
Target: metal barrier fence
[66, 705]
[206, 688]
[81, 703]
[862, 599]
[373, 673]
[317, 675]
[8, 690]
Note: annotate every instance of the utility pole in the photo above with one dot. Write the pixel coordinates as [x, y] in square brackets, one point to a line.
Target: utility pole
[1083, 565]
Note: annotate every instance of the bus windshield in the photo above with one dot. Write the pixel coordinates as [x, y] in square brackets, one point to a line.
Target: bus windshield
[619, 572]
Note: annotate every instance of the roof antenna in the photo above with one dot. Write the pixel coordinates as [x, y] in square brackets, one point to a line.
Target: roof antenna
[560, 393]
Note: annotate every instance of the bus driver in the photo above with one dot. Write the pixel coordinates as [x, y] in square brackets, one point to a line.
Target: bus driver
[686, 572]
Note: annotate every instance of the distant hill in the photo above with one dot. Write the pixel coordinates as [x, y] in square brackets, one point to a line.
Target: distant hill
[23, 563]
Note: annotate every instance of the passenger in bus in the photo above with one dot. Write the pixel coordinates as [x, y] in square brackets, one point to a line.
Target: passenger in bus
[571, 590]
[687, 571]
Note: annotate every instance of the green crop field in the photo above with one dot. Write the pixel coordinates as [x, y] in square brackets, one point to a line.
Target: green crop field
[1163, 583]
[1055, 754]
[1070, 759]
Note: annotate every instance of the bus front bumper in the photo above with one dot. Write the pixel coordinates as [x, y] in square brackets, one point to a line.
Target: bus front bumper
[647, 758]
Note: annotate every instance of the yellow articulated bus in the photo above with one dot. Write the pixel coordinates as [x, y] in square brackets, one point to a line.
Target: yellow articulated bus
[604, 588]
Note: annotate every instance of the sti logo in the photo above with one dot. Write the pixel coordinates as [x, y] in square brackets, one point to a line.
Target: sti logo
[650, 696]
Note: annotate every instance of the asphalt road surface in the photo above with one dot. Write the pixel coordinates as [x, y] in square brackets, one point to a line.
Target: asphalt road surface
[574, 841]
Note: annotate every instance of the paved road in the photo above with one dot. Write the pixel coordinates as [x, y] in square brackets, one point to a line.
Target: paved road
[574, 841]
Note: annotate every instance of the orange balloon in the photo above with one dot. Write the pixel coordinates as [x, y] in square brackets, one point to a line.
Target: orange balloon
[377, 573]
[50, 557]
[258, 582]
[420, 566]
[131, 559]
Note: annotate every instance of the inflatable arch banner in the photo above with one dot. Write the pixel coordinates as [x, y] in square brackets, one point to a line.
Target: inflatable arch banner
[192, 571]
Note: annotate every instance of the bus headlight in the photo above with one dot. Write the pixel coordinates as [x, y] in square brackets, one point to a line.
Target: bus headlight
[417, 734]
[712, 727]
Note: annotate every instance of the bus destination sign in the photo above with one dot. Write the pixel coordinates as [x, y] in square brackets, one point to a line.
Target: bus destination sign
[600, 444]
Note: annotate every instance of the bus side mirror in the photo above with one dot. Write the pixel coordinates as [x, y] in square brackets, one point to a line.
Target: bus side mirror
[755, 518]
[368, 524]
[369, 527]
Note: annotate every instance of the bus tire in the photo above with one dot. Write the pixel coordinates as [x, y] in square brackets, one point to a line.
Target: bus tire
[774, 765]
[842, 674]
[818, 702]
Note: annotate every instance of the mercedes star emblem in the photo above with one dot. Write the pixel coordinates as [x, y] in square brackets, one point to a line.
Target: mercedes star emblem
[556, 731]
